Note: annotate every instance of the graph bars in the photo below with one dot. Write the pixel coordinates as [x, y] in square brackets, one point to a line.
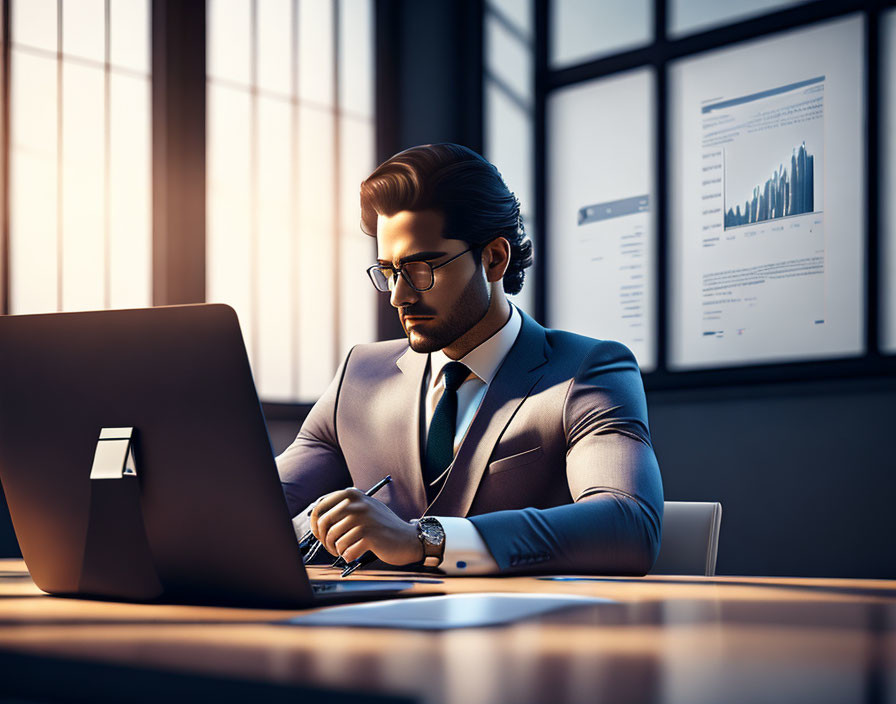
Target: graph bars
[785, 193]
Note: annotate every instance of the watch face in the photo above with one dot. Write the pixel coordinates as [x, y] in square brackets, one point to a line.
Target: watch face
[432, 532]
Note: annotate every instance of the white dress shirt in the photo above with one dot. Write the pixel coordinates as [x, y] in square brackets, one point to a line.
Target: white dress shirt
[465, 551]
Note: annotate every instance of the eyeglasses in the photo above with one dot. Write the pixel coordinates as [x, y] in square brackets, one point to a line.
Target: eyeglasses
[419, 275]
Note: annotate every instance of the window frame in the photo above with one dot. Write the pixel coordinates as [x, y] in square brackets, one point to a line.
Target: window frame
[659, 54]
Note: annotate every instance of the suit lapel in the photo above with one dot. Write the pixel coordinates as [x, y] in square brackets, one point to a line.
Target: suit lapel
[517, 376]
[413, 367]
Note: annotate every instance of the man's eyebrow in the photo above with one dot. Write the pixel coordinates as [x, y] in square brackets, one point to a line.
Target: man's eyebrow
[418, 257]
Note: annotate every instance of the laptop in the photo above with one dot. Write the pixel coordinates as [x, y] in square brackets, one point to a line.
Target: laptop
[136, 462]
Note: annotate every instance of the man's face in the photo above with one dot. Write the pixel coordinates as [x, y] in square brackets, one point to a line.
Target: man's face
[460, 296]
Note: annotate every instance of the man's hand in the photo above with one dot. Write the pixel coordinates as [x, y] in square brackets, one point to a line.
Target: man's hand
[349, 523]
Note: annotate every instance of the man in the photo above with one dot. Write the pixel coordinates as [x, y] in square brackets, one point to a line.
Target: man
[524, 449]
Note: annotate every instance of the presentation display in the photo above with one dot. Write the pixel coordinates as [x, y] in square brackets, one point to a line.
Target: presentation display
[600, 215]
[887, 275]
[767, 200]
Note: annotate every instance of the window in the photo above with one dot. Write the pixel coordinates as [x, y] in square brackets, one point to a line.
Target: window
[80, 199]
[764, 157]
[290, 138]
[509, 104]
[689, 16]
[583, 30]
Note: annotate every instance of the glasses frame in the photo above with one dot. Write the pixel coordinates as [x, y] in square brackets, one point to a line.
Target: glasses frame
[400, 270]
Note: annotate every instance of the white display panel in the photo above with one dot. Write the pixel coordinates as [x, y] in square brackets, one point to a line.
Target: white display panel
[887, 269]
[601, 225]
[767, 200]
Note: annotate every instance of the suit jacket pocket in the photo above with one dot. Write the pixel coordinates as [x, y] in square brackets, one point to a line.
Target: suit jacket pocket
[518, 460]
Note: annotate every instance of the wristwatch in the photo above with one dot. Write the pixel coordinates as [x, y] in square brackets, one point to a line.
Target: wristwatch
[432, 535]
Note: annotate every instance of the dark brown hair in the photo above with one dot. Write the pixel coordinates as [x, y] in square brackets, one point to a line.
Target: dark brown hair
[464, 187]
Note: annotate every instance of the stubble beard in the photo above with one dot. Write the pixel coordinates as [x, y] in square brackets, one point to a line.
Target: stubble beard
[470, 308]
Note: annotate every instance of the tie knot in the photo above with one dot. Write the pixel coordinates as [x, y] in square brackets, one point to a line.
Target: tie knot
[455, 373]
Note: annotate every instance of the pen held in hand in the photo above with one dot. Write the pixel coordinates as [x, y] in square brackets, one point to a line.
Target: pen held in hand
[309, 546]
[362, 561]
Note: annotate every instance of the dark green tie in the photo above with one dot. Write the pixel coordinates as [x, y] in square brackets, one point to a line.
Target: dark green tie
[440, 439]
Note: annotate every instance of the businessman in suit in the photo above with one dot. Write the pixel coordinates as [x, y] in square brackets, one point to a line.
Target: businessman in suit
[512, 447]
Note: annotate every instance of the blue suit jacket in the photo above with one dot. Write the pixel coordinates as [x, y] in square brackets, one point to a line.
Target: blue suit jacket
[556, 471]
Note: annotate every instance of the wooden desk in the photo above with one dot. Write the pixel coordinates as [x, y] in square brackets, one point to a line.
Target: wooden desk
[669, 639]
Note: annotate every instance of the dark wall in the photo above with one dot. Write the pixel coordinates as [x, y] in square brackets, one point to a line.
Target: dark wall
[428, 86]
[429, 57]
[805, 473]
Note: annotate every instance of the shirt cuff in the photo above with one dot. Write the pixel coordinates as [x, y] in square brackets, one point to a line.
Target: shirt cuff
[465, 550]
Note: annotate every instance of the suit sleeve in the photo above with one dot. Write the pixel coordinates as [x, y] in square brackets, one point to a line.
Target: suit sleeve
[615, 523]
[313, 465]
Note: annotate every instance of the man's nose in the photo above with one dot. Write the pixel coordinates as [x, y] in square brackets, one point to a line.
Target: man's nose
[402, 294]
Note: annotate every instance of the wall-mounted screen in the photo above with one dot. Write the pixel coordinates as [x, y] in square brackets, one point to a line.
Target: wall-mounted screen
[767, 200]
[887, 269]
[600, 211]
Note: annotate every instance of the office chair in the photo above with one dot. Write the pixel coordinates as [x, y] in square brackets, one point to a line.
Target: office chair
[690, 538]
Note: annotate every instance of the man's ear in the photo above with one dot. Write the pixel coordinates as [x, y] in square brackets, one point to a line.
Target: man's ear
[496, 258]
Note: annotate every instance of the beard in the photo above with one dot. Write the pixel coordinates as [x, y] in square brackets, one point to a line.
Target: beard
[470, 307]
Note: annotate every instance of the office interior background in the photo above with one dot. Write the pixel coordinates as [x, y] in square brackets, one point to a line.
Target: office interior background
[709, 182]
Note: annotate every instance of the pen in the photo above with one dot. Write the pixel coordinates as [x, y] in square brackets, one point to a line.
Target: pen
[310, 546]
[365, 559]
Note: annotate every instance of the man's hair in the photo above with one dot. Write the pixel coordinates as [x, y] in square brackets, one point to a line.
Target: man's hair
[464, 187]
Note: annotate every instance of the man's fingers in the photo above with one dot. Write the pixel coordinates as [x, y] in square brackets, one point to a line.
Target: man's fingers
[325, 503]
[351, 536]
[327, 521]
[335, 532]
[355, 550]
[323, 512]
[344, 518]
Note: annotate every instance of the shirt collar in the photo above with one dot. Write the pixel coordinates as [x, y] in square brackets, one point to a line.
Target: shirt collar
[485, 359]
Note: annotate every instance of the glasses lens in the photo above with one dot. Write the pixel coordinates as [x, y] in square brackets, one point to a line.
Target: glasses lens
[381, 278]
[419, 274]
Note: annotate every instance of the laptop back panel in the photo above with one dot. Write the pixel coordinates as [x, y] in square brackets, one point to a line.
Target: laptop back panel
[209, 498]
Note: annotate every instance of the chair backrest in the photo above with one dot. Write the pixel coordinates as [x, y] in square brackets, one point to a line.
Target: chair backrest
[690, 538]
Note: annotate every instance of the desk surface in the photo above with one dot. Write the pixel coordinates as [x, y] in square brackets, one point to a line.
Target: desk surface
[668, 639]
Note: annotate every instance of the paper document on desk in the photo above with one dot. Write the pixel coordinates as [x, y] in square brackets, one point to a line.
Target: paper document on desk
[439, 613]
